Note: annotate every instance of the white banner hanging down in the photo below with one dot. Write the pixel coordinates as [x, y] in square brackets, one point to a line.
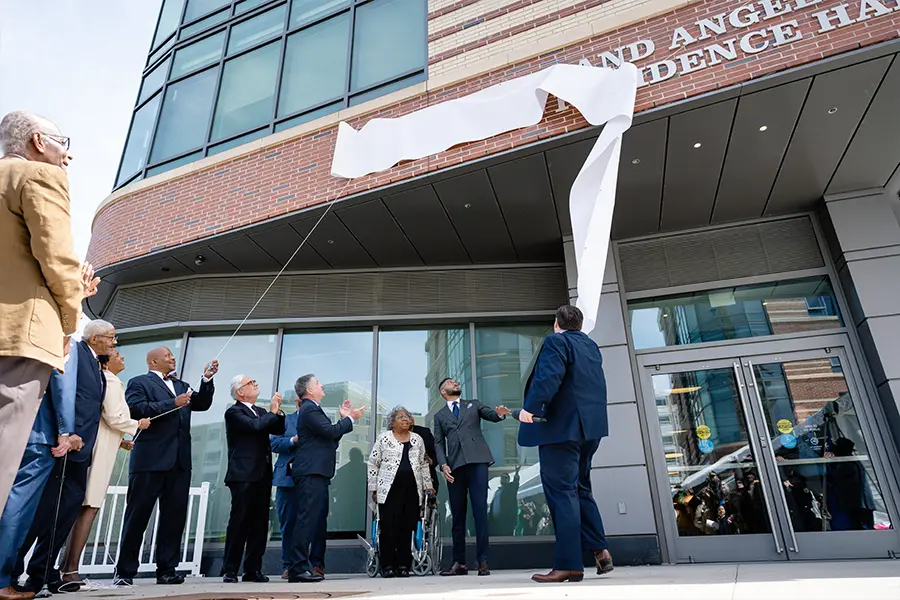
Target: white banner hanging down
[604, 97]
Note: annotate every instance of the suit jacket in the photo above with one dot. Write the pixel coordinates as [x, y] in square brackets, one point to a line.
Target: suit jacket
[568, 388]
[56, 415]
[430, 451]
[249, 456]
[459, 442]
[317, 441]
[42, 302]
[167, 442]
[286, 450]
[90, 388]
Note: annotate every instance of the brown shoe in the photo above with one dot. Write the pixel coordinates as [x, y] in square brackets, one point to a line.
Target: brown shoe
[555, 576]
[604, 562]
[285, 575]
[320, 571]
[10, 593]
[483, 569]
[456, 569]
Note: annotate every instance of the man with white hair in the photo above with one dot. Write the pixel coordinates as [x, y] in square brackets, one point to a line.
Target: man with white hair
[64, 492]
[249, 478]
[41, 303]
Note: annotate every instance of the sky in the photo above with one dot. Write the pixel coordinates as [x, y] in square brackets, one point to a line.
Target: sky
[78, 63]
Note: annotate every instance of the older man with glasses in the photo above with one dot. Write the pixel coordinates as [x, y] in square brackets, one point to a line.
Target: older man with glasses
[249, 477]
[42, 303]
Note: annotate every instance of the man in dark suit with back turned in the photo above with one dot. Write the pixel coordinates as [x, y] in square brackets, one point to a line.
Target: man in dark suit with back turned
[249, 478]
[464, 458]
[70, 471]
[313, 469]
[160, 465]
[567, 390]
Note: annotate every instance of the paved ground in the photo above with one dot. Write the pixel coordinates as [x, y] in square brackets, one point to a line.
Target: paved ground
[871, 580]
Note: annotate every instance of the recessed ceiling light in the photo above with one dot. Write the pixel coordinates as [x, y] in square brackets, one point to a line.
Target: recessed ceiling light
[697, 145]
[832, 110]
[467, 205]
[764, 127]
[330, 241]
[636, 161]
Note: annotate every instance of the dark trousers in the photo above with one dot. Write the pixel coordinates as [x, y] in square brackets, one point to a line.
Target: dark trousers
[471, 480]
[71, 478]
[398, 517]
[172, 489]
[566, 476]
[287, 506]
[311, 523]
[248, 526]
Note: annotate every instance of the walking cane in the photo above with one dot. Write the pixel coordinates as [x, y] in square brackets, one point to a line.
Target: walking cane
[44, 592]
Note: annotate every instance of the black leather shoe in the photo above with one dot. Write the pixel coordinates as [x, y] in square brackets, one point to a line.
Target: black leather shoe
[229, 578]
[305, 577]
[483, 569]
[31, 585]
[403, 572]
[170, 579]
[257, 577]
[456, 569]
[388, 573]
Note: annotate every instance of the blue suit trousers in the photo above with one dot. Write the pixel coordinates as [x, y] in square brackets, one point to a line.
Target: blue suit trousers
[566, 476]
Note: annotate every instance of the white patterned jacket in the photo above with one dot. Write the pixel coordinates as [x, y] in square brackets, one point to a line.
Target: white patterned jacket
[385, 460]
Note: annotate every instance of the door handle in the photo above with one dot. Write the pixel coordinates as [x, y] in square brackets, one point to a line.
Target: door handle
[756, 455]
[796, 547]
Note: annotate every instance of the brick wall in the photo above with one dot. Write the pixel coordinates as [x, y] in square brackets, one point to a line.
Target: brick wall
[294, 174]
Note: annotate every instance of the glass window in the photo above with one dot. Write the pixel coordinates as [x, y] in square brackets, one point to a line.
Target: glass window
[734, 313]
[198, 54]
[307, 11]
[249, 354]
[247, 95]
[387, 89]
[185, 115]
[153, 81]
[256, 30]
[389, 40]
[504, 357]
[342, 362]
[168, 20]
[161, 51]
[184, 160]
[202, 24]
[135, 155]
[315, 65]
[238, 141]
[310, 116]
[245, 5]
[198, 8]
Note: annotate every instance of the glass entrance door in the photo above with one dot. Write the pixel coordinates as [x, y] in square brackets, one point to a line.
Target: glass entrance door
[767, 457]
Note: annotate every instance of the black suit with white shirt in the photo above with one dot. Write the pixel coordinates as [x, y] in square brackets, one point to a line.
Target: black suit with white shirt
[160, 468]
[249, 478]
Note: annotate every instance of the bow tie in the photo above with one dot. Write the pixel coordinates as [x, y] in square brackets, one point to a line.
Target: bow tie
[170, 376]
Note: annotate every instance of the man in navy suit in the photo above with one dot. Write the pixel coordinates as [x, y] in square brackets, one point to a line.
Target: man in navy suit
[160, 465]
[313, 469]
[567, 390]
[63, 493]
[53, 434]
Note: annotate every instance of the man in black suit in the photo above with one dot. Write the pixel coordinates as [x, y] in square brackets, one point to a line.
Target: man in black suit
[70, 470]
[464, 458]
[160, 463]
[313, 469]
[249, 477]
[430, 452]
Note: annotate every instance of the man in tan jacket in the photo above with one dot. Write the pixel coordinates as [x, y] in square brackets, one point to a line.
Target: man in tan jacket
[41, 304]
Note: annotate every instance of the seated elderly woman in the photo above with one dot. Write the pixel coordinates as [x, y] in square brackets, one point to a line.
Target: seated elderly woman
[398, 479]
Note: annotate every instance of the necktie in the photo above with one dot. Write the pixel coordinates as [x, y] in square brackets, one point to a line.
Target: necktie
[456, 409]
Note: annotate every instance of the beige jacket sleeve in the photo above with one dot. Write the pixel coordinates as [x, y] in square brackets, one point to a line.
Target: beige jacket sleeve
[45, 207]
[115, 411]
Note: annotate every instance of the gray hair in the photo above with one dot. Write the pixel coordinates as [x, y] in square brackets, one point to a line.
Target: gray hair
[301, 386]
[97, 327]
[18, 128]
[237, 382]
[396, 412]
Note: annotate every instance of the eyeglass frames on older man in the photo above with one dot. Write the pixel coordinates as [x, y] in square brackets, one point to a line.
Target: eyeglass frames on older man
[62, 140]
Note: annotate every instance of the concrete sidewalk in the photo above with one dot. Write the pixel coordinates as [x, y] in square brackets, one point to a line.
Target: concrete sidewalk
[872, 580]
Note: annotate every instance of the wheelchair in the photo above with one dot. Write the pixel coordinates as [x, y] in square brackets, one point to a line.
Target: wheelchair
[427, 547]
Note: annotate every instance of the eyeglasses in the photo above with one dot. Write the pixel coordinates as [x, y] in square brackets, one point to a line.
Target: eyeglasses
[251, 382]
[62, 140]
[110, 336]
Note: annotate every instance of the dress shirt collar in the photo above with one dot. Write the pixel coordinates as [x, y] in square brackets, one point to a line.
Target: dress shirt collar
[450, 403]
[250, 406]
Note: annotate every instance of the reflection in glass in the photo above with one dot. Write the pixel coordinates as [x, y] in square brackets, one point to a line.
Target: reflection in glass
[388, 40]
[247, 93]
[713, 475]
[342, 362]
[135, 155]
[198, 8]
[154, 80]
[315, 65]
[307, 11]
[172, 164]
[256, 30]
[185, 115]
[793, 306]
[239, 141]
[249, 354]
[828, 480]
[307, 117]
[198, 54]
[168, 20]
[202, 24]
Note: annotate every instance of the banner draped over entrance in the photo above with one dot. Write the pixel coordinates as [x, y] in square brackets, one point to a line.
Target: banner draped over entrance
[604, 97]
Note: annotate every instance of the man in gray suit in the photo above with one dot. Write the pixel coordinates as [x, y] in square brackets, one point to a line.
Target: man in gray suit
[464, 458]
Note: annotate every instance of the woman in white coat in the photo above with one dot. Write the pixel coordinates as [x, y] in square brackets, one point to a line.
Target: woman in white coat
[115, 422]
[398, 478]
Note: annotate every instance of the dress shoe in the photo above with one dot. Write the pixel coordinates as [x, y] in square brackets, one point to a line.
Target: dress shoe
[31, 585]
[10, 593]
[483, 569]
[285, 575]
[122, 581]
[388, 573]
[320, 571]
[403, 572]
[229, 578]
[305, 577]
[170, 579]
[256, 577]
[555, 576]
[604, 561]
[456, 569]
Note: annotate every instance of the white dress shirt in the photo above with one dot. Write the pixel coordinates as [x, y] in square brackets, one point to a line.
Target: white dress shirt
[450, 404]
[168, 382]
[250, 406]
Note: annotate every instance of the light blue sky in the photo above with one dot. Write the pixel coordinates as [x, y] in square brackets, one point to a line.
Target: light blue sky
[78, 63]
